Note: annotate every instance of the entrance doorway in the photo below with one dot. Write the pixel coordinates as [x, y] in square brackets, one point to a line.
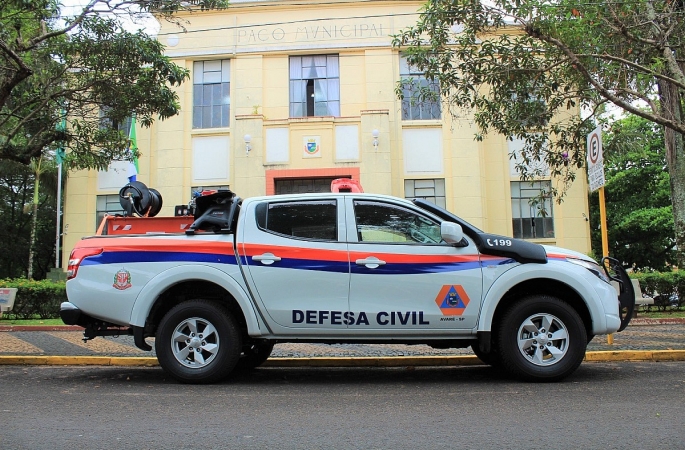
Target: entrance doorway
[304, 185]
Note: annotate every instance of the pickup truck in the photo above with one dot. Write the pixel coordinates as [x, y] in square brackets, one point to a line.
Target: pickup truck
[341, 268]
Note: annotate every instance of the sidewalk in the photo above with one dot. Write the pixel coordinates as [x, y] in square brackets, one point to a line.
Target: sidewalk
[644, 339]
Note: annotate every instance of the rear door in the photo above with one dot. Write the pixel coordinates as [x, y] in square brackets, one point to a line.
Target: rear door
[297, 260]
[403, 276]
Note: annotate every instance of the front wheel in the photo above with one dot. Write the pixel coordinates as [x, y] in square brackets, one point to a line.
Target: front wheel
[198, 341]
[542, 338]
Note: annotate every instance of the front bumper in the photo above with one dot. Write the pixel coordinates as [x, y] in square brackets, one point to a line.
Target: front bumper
[626, 293]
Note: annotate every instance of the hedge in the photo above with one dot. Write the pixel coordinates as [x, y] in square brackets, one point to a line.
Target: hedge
[35, 298]
[43, 298]
[667, 288]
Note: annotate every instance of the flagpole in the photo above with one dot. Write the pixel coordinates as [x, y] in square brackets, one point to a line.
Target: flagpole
[59, 215]
[59, 158]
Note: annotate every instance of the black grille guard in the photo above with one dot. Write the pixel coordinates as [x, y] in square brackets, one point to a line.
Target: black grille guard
[626, 294]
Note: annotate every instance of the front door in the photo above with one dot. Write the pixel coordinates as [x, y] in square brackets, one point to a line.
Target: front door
[403, 276]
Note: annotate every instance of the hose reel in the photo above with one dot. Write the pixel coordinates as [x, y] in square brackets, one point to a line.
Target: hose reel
[136, 198]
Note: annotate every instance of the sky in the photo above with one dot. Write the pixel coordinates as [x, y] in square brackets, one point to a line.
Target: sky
[73, 7]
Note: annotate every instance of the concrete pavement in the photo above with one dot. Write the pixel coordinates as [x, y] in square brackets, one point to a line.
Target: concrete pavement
[647, 340]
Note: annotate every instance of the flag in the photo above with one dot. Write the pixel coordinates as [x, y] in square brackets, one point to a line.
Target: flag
[132, 147]
[60, 153]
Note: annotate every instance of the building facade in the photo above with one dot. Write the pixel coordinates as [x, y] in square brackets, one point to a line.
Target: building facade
[285, 97]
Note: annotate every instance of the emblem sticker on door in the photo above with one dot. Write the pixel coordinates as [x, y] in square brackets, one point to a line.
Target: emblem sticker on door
[452, 300]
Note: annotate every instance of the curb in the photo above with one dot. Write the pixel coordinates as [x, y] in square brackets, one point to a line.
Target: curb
[12, 328]
[391, 361]
[661, 321]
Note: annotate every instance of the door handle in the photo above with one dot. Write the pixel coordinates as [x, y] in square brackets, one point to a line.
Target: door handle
[266, 258]
[371, 262]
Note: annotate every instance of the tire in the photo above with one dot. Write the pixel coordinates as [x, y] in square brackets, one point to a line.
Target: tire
[490, 358]
[198, 325]
[254, 355]
[541, 338]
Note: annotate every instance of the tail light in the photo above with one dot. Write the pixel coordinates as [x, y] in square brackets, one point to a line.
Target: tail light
[77, 256]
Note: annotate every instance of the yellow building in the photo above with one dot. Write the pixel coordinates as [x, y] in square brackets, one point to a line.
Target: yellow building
[284, 97]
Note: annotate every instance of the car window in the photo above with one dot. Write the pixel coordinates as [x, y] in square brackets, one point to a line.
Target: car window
[381, 222]
[315, 219]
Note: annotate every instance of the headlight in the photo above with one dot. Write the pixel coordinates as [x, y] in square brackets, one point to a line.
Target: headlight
[592, 267]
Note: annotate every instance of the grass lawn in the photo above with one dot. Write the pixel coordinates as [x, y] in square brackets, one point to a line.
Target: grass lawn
[52, 322]
[661, 314]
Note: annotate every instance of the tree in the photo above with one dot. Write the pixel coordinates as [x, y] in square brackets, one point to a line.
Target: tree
[87, 67]
[638, 201]
[46, 170]
[17, 183]
[527, 67]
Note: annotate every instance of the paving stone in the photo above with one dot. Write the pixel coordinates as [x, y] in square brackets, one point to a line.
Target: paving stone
[12, 345]
[66, 343]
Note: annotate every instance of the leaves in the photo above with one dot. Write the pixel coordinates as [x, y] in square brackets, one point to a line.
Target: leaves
[82, 65]
[16, 198]
[638, 201]
[528, 69]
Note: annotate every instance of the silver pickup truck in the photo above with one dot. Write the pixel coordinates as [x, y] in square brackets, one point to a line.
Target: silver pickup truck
[341, 268]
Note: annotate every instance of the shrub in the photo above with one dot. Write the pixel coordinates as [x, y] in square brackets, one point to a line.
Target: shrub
[667, 288]
[36, 298]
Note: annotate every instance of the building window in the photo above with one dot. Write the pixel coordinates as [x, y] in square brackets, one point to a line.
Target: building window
[106, 204]
[432, 190]
[211, 93]
[532, 215]
[124, 126]
[529, 109]
[314, 86]
[420, 96]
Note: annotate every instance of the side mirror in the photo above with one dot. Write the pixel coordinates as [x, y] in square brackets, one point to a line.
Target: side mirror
[451, 233]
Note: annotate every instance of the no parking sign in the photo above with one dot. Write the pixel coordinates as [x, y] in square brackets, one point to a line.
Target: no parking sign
[595, 160]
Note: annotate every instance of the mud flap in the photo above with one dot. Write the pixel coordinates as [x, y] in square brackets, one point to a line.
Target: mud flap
[626, 294]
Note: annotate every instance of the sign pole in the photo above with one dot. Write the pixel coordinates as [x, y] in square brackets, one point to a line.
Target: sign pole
[595, 172]
[605, 239]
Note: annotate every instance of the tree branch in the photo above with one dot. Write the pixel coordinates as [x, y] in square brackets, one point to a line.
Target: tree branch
[643, 69]
[77, 21]
[20, 74]
[580, 67]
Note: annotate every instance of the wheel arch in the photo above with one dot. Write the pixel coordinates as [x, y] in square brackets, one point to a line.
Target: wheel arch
[188, 282]
[543, 286]
[531, 279]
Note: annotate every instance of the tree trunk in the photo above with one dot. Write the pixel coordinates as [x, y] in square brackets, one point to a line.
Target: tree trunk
[34, 219]
[34, 224]
[671, 106]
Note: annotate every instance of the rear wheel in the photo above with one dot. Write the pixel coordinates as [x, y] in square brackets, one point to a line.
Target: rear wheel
[254, 355]
[542, 339]
[198, 342]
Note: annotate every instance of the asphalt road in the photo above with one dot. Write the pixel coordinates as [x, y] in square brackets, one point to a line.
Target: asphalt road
[601, 406]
